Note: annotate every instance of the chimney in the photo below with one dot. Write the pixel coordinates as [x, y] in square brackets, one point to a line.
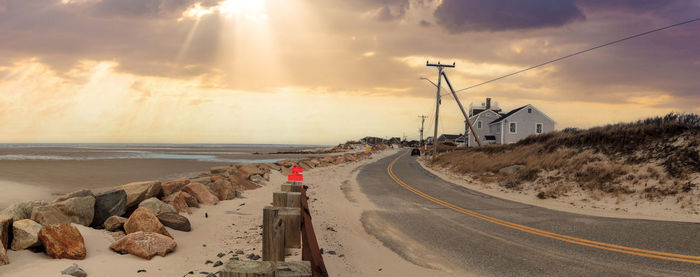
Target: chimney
[488, 103]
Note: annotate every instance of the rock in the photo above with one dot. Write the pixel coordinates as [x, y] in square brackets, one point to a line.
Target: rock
[175, 221]
[222, 189]
[257, 179]
[220, 254]
[510, 169]
[242, 184]
[63, 242]
[223, 170]
[25, 234]
[173, 186]
[141, 271]
[156, 206]
[178, 201]
[145, 221]
[199, 191]
[80, 193]
[3, 257]
[74, 270]
[114, 223]
[201, 180]
[139, 191]
[208, 262]
[145, 244]
[218, 263]
[5, 229]
[22, 210]
[47, 215]
[191, 200]
[116, 235]
[108, 204]
[239, 252]
[79, 210]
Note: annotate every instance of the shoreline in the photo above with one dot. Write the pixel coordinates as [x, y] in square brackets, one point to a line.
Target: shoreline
[651, 211]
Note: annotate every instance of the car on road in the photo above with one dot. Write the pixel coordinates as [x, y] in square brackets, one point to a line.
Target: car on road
[415, 152]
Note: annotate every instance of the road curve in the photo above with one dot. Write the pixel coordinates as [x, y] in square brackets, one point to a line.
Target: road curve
[438, 224]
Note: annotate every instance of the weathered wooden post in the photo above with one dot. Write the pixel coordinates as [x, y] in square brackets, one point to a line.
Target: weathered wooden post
[294, 199]
[286, 187]
[292, 226]
[273, 235]
[279, 199]
[249, 269]
[294, 269]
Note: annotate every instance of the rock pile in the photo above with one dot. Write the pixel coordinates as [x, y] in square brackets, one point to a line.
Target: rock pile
[136, 214]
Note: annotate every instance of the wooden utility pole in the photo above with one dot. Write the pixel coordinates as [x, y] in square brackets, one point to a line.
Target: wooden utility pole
[466, 117]
[422, 122]
[437, 103]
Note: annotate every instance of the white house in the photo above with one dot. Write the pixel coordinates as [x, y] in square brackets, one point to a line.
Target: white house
[493, 126]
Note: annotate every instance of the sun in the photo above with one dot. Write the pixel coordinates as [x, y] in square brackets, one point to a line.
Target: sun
[250, 9]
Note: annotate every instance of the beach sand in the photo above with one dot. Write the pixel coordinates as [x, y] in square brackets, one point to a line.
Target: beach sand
[235, 225]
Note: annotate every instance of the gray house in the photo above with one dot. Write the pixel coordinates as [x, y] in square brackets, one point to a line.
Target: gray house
[495, 127]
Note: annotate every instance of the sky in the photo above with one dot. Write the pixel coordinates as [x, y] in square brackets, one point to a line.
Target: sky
[323, 72]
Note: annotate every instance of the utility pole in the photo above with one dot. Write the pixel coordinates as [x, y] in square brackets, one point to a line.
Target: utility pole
[437, 103]
[422, 121]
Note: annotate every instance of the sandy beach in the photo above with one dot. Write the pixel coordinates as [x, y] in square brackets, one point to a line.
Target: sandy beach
[41, 172]
[234, 225]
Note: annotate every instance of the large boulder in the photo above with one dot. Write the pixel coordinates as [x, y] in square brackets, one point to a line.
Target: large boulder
[242, 184]
[202, 180]
[222, 170]
[508, 170]
[178, 201]
[114, 223]
[78, 210]
[144, 220]
[257, 179]
[5, 229]
[25, 234]
[222, 189]
[156, 206]
[173, 186]
[245, 170]
[199, 191]
[175, 221]
[47, 215]
[108, 204]
[80, 193]
[144, 245]
[22, 210]
[139, 191]
[3, 256]
[63, 242]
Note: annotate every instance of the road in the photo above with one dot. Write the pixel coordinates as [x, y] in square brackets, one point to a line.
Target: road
[437, 224]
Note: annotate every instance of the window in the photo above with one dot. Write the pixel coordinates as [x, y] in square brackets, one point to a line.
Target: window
[513, 128]
[538, 128]
[478, 124]
[529, 110]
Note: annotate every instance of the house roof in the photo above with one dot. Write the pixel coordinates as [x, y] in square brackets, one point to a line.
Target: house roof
[450, 137]
[508, 114]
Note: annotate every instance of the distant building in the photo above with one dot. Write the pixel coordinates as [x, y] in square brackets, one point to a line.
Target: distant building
[492, 126]
[450, 138]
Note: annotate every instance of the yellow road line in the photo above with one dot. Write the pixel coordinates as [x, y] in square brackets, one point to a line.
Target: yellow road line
[543, 233]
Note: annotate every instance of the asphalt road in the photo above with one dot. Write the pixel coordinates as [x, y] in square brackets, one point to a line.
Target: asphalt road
[437, 224]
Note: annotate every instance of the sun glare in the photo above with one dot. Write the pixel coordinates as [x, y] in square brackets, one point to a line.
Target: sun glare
[250, 9]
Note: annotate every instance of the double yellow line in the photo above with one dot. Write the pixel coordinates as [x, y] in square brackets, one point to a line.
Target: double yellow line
[543, 233]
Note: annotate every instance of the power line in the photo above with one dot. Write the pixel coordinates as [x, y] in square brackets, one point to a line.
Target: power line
[579, 52]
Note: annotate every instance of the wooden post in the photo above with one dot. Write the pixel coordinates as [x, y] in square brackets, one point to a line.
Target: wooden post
[273, 235]
[248, 269]
[294, 199]
[294, 269]
[286, 187]
[292, 226]
[279, 199]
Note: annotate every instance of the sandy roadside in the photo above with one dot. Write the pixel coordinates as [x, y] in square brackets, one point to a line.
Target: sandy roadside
[337, 206]
[578, 203]
[235, 225]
